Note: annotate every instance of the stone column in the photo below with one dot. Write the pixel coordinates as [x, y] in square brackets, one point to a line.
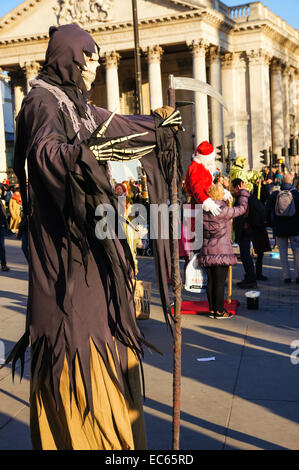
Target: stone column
[31, 70]
[260, 104]
[18, 84]
[296, 100]
[112, 82]
[277, 107]
[286, 103]
[292, 101]
[201, 101]
[229, 93]
[216, 108]
[236, 122]
[3, 161]
[154, 54]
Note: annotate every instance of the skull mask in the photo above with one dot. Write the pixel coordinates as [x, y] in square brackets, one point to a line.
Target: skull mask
[89, 71]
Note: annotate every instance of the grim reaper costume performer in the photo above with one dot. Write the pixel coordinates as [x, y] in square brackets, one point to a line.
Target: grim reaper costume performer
[86, 345]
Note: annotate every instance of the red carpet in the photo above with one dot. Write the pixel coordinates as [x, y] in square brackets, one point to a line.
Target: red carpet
[201, 307]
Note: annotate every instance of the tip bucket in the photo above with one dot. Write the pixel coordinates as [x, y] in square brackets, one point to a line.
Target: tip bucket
[252, 298]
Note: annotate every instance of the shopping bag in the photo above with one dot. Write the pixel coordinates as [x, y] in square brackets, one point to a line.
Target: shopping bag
[195, 276]
[142, 299]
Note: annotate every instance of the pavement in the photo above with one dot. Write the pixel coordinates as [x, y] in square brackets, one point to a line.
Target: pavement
[240, 377]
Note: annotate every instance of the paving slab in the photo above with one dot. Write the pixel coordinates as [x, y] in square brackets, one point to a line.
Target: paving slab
[246, 398]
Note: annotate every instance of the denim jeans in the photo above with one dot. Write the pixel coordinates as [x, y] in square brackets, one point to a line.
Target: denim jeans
[2, 246]
[283, 245]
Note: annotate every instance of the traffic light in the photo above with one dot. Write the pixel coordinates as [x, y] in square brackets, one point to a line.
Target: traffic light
[274, 159]
[293, 147]
[285, 152]
[264, 156]
[270, 157]
[221, 153]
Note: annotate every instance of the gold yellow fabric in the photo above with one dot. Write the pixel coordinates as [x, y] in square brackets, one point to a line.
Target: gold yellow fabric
[15, 212]
[250, 177]
[118, 421]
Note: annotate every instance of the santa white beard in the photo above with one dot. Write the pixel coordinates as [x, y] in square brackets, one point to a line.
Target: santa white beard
[208, 162]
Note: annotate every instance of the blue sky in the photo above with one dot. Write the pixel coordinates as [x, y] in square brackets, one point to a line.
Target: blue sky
[287, 9]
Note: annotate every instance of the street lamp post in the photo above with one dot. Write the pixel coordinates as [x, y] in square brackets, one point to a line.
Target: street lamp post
[138, 77]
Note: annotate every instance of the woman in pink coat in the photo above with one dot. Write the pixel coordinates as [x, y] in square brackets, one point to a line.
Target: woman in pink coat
[217, 253]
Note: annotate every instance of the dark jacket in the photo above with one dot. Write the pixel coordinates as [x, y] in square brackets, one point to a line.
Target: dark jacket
[253, 219]
[283, 226]
[217, 247]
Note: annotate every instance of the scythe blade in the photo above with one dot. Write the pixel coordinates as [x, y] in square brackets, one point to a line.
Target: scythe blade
[193, 84]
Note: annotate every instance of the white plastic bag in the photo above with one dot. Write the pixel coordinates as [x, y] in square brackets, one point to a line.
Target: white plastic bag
[195, 276]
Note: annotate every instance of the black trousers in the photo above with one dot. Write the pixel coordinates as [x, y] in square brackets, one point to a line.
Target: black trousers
[259, 264]
[216, 286]
[244, 244]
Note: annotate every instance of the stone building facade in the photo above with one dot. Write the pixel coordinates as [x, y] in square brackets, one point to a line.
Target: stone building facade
[249, 54]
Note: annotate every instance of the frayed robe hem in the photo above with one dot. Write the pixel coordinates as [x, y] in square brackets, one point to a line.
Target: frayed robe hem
[117, 422]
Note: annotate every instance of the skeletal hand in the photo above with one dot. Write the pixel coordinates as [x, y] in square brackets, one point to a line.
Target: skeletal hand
[175, 119]
[171, 117]
[108, 148]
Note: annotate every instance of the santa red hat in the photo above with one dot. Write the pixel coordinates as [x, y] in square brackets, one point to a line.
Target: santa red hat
[204, 151]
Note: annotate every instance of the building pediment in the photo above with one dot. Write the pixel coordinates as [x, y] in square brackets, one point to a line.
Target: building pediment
[34, 17]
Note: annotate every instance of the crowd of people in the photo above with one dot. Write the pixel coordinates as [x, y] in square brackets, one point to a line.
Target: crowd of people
[252, 222]
[12, 223]
[10, 216]
[129, 193]
[263, 213]
[251, 229]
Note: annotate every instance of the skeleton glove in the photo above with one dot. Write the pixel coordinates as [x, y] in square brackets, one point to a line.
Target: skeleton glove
[112, 148]
[171, 117]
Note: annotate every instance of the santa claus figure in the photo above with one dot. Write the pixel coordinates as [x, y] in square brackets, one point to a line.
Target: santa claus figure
[199, 177]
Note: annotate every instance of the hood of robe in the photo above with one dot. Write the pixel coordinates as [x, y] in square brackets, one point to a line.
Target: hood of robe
[65, 59]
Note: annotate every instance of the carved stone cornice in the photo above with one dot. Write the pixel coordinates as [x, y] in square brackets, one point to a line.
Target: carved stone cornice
[285, 39]
[111, 59]
[104, 26]
[154, 54]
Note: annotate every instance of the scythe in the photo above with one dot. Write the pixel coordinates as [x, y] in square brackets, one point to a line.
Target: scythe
[180, 83]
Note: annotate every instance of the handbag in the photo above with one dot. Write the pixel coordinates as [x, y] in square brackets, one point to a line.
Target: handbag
[195, 276]
[142, 299]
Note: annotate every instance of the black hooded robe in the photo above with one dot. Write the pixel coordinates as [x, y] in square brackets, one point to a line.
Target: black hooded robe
[85, 342]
